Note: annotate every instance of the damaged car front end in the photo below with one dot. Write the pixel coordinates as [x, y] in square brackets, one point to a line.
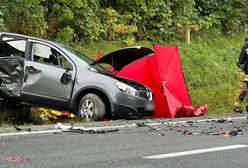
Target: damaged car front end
[42, 73]
[134, 99]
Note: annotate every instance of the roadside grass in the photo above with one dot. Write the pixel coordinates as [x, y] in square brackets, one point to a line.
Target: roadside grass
[209, 66]
[12, 113]
[210, 71]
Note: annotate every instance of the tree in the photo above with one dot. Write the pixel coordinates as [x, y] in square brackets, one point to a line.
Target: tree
[24, 16]
[229, 17]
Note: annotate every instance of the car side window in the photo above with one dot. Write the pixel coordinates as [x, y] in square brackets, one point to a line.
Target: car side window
[63, 62]
[48, 55]
[12, 47]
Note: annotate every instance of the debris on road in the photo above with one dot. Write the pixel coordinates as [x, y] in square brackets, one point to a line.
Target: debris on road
[190, 121]
[62, 127]
[222, 120]
[92, 131]
[146, 125]
[186, 132]
[21, 129]
[15, 159]
[224, 127]
[81, 130]
[235, 132]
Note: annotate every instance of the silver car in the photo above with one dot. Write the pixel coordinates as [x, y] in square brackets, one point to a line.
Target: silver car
[37, 72]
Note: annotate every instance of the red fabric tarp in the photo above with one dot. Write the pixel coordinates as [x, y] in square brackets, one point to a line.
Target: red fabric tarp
[162, 73]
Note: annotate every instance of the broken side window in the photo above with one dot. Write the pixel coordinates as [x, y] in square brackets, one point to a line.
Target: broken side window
[47, 55]
[12, 47]
[64, 62]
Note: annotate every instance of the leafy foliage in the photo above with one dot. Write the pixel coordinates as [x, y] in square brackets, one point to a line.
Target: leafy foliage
[73, 19]
[18, 19]
[122, 20]
[152, 18]
[228, 16]
[1, 20]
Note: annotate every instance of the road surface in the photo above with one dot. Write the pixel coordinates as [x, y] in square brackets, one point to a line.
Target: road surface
[199, 144]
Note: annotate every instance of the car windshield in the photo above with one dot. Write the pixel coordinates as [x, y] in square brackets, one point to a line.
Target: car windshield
[86, 61]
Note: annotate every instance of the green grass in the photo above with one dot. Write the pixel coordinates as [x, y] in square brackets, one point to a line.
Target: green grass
[211, 73]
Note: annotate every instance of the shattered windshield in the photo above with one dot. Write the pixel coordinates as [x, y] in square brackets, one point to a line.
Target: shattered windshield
[87, 62]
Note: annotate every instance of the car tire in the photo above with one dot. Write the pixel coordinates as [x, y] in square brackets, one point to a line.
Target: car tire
[91, 108]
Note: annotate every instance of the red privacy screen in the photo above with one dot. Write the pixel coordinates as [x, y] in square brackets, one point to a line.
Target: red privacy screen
[162, 73]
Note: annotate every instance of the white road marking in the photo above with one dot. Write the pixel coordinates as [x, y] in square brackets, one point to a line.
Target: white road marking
[193, 152]
[31, 132]
[123, 126]
[53, 131]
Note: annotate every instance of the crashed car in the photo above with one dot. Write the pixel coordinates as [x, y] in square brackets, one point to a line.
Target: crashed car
[37, 72]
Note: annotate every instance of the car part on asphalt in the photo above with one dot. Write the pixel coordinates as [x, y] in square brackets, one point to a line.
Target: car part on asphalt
[15, 159]
[222, 120]
[63, 127]
[21, 129]
[81, 130]
[93, 131]
[235, 132]
[146, 125]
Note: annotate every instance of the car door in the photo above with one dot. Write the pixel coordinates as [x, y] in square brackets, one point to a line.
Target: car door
[49, 76]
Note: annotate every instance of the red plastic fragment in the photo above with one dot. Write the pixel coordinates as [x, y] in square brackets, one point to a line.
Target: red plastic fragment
[15, 159]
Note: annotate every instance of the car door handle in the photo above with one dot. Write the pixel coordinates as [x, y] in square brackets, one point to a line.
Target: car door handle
[31, 69]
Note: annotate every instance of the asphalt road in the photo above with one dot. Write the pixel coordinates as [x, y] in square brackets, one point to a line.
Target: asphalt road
[200, 144]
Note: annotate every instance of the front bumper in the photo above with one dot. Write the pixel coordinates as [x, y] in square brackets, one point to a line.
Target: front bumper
[131, 107]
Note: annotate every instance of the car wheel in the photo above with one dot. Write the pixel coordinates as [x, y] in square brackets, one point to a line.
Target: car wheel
[91, 108]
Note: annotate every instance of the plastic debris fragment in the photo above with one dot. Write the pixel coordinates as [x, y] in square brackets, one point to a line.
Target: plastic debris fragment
[186, 132]
[21, 129]
[81, 130]
[63, 127]
[15, 159]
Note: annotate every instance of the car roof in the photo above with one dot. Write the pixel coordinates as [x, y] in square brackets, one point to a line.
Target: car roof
[25, 37]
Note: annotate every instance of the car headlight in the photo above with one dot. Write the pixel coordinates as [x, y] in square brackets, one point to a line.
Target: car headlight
[126, 88]
[149, 95]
